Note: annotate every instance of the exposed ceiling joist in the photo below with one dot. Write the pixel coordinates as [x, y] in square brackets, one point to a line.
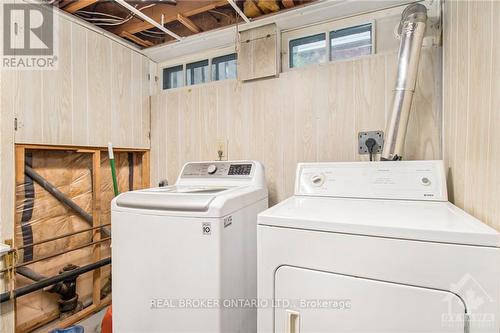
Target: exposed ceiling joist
[185, 8]
[77, 5]
[238, 10]
[147, 19]
[188, 23]
[135, 39]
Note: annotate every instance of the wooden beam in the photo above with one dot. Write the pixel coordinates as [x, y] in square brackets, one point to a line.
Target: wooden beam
[96, 221]
[77, 5]
[135, 39]
[288, 3]
[145, 170]
[32, 324]
[188, 23]
[186, 8]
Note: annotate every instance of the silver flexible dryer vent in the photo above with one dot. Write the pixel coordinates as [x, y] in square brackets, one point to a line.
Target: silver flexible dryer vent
[411, 30]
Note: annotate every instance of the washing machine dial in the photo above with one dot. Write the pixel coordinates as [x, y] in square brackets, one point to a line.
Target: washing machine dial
[212, 168]
[318, 179]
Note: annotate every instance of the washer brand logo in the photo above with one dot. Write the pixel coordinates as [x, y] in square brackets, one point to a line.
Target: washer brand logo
[228, 221]
[28, 36]
[206, 228]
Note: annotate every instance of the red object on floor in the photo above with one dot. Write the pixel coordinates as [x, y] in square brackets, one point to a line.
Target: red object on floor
[107, 324]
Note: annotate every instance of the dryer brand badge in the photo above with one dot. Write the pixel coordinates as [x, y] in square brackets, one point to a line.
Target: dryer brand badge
[206, 228]
[228, 221]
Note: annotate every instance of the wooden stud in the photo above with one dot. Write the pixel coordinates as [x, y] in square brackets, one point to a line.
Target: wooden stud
[96, 207]
[145, 168]
[73, 319]
[77, 5]
[37, 322]
[96, 221]
[77, 148]
[135, 39]
[188, 23]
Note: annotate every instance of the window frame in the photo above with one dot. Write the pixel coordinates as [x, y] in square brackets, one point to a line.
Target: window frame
[330, 38]
[206, 63]
[290, 53]
[166, 69]
[325, 28]
[224, 58]
[183, 61]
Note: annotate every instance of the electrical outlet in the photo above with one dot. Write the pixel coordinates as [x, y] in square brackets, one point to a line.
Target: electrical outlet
[378, 136]
[221, 150]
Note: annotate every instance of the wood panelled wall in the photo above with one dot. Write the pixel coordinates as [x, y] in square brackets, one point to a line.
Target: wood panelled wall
[472, 106]
[310, 114]
[99, 93]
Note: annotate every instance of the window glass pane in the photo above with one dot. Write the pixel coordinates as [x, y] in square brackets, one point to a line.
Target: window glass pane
[224, 67]
[307, 50]
[351, 42]
[172, 77]
[197, 72]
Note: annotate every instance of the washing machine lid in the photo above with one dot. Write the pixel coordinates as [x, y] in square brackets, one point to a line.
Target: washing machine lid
[173, 198]
[403, 219]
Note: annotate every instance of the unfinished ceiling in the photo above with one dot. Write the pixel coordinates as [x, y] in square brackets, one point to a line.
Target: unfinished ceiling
[179, 18]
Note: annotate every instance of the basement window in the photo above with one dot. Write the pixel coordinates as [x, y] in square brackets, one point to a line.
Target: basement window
[173, 77]
[224, 67]
[307, 50]
[197, 72]
[351, 42]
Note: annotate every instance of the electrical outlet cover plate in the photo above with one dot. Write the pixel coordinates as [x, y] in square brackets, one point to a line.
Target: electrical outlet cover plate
[363, 136]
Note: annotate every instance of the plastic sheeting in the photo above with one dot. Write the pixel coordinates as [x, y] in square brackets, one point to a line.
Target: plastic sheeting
[40, 216]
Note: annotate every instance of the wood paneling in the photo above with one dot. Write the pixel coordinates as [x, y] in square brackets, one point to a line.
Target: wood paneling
[91, 98]
[98, 93]
[309, 114]
[472, 106]
[258, 53]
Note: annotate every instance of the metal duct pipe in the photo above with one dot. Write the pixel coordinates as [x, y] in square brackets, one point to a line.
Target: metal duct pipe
[411, 30]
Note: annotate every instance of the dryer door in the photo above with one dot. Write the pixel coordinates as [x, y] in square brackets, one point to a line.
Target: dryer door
[312, 301]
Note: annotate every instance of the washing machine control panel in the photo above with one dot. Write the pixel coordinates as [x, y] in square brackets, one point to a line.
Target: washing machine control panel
[406, 180]
[218, 169]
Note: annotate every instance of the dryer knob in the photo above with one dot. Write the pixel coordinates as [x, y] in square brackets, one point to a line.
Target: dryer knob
[318, 179]
[212, 168]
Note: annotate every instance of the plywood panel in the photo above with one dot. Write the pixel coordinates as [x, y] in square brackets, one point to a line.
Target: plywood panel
[57, 92]
[309, 114]
[336, 122]
[27, 104]
[258, 53]
[80, 126]
[99, 86]
[171, 151]
[97, 83]
[122, 118]
[471, 104]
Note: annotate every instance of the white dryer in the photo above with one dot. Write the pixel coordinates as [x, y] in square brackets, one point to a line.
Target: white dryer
[183, 254]
[375, 247]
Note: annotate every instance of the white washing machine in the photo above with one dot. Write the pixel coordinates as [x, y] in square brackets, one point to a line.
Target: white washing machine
[375, 247]
[185, 255]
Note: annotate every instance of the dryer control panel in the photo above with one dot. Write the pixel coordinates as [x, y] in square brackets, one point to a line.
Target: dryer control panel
[403, 180]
